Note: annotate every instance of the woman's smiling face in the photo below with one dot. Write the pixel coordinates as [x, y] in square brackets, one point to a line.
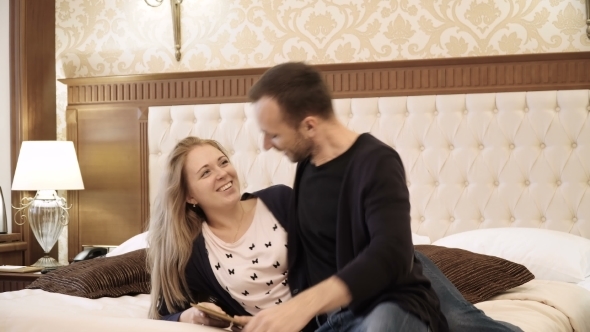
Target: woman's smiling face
[212, 181]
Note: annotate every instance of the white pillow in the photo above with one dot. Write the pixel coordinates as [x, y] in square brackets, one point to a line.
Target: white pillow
[420, 239]
[139, 241]
[549, 255]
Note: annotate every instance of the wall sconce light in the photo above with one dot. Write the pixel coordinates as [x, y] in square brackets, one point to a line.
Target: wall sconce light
[175, 7]
[46, 166]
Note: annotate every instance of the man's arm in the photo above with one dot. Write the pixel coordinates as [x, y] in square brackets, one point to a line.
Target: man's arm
[294, 314]
[390, 253]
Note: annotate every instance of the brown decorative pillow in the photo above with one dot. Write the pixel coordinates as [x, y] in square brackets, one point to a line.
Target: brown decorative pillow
[115, 276]
[478, 277]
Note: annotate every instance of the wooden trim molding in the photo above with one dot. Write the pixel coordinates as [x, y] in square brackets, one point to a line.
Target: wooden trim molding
[394, 78]
[72, 195]
[143, 167]
[12, 237]
[13, 246]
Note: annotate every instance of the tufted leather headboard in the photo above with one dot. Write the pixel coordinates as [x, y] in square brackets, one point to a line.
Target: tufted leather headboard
[517, 159]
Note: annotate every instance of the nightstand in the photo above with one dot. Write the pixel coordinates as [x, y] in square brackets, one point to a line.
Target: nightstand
[12, 281]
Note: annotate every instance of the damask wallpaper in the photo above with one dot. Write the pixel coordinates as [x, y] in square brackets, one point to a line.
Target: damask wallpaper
[121, 37]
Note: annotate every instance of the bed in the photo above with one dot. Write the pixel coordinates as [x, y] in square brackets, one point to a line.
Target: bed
[495, 166]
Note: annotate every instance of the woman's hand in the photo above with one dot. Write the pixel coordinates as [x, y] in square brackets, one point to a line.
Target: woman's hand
[195, 316]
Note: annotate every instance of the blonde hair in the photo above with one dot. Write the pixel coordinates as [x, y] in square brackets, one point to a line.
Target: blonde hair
[173, 227]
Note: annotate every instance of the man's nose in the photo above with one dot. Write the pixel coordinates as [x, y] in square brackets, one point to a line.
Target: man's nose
[267, 144]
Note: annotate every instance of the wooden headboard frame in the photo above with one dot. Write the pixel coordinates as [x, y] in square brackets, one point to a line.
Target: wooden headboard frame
[107, 118]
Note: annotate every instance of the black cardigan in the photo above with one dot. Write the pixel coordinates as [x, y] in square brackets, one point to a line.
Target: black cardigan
[374, 251]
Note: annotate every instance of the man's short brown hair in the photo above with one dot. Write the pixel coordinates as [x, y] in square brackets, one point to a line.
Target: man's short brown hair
[297, 88]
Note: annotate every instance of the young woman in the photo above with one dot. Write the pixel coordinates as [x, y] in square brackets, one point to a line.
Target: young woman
[208, 243]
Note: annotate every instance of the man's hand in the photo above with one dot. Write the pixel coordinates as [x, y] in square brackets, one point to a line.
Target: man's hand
[287, 317]
[293, 315]
[193, 315]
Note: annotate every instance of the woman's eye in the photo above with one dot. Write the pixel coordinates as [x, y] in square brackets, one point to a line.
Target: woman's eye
[225, 162]
[205, 173]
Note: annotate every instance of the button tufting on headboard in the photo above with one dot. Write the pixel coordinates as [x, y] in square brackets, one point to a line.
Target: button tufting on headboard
[519, 158]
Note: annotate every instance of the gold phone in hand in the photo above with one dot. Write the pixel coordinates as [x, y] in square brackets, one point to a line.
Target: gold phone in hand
[216, 314]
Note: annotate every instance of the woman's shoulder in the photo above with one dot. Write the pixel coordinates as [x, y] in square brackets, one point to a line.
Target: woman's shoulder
[276, 198]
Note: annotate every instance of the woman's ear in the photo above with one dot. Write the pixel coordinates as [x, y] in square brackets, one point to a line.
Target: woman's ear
[191, 200]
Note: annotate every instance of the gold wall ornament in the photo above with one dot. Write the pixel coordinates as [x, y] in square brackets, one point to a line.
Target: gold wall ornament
[175, 8]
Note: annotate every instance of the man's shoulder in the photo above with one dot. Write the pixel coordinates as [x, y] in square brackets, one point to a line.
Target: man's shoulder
[369, 146]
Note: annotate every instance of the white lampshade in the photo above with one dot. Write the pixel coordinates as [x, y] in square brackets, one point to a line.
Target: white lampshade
[47, 165]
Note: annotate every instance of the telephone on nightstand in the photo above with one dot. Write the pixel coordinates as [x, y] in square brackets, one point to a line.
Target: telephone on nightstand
[90, 253]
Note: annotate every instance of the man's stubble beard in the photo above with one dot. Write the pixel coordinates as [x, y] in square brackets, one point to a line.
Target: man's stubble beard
[301, 150]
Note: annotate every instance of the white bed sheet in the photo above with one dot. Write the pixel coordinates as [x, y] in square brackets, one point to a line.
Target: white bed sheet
[538, 305]
[585, 284]
[37, 310]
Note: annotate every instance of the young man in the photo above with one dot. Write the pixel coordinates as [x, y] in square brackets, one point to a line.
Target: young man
[352, 264]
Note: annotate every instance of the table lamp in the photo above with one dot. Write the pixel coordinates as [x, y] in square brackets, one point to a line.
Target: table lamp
[46, 166]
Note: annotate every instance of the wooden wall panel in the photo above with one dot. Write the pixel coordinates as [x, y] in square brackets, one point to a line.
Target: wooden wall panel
[111, 127]
[32, 91]
[111, 208]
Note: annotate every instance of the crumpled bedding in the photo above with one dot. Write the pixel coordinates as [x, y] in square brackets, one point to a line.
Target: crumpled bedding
[542, 305]
[538, 306]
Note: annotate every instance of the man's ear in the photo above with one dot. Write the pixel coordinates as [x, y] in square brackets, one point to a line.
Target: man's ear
[309, 126]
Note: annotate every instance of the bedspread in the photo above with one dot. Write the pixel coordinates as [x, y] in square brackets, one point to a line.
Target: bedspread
[542, 305]
[538, 306]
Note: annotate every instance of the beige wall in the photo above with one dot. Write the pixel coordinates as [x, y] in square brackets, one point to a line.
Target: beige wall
[115, 37]
[5, 181]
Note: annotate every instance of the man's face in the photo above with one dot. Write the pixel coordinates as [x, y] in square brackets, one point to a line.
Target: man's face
[278, 133]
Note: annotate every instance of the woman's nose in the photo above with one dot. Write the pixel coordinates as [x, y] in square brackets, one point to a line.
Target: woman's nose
[221, 173]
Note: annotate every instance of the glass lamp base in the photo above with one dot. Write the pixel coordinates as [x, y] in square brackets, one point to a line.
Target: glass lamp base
[47, 262]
